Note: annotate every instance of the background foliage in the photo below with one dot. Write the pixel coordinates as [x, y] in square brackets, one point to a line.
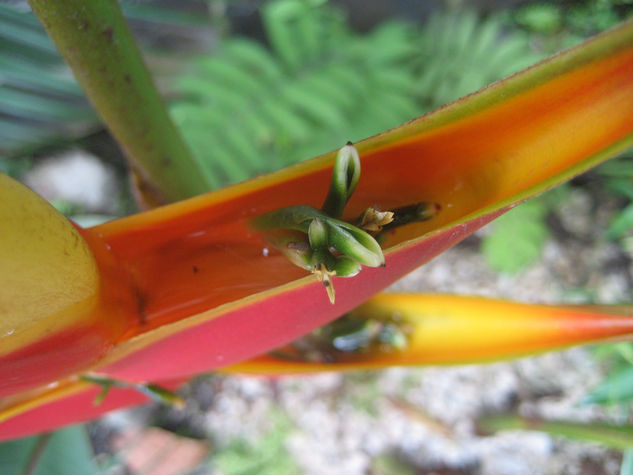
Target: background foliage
[63, 452]
[248, 109]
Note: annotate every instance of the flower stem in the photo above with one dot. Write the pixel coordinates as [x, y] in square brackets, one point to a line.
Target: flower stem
[94, 38]
[157, 393]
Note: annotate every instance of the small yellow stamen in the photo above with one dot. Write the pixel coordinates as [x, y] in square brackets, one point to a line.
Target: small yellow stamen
[324, 275]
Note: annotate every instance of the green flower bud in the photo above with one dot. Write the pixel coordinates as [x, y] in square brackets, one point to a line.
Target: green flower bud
[345, 267]
[317, 234]
[355, 243]
[345, 176]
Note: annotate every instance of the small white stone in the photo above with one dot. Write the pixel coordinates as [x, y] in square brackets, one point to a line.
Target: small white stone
[78, 178]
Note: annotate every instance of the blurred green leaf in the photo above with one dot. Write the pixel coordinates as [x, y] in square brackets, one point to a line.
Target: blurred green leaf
[618, 168]
[162, 15]
[265, 456]
[517, 238]
[621, 224]
[592, 16]
[40, 101]
[65, 452]
[39, 98]
[13, 167]
[617, 388]
[543, 18]
[387, 464]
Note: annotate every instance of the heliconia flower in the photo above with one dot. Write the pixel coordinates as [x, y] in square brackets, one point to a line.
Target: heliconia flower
[190, 287]
[418, 329]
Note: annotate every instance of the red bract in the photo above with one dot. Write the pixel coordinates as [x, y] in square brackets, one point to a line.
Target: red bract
[198, 289]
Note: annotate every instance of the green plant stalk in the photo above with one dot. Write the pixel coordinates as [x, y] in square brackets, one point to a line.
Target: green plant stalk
[95, 40]
[154, 391]
[613, 436]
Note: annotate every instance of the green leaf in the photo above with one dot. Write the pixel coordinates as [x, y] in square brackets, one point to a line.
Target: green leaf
[540, 17]
[617, 388]
[621, 224]
[618, 168]
[23, 30]
[517, 238]
[65, 452]
[29, 106]
[621, 186]
[163, 16]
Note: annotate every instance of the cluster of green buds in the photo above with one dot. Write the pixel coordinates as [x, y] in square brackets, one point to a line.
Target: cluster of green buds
[318, 240]
[350, 338]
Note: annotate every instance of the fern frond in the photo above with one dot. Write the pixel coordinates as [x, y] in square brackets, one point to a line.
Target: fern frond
[315, 108]
[320, 84]
[289, 124]
[462, 53]
[39, 99]
[227, 73]
[281, 21]
[254, 58]
[307, 95]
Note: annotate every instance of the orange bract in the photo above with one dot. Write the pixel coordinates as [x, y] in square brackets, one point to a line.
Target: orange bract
[193, 287]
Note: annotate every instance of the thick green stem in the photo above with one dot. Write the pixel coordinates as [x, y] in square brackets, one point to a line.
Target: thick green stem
[96, 42]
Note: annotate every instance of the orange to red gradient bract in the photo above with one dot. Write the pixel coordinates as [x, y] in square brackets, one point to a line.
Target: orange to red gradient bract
[190, 287]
